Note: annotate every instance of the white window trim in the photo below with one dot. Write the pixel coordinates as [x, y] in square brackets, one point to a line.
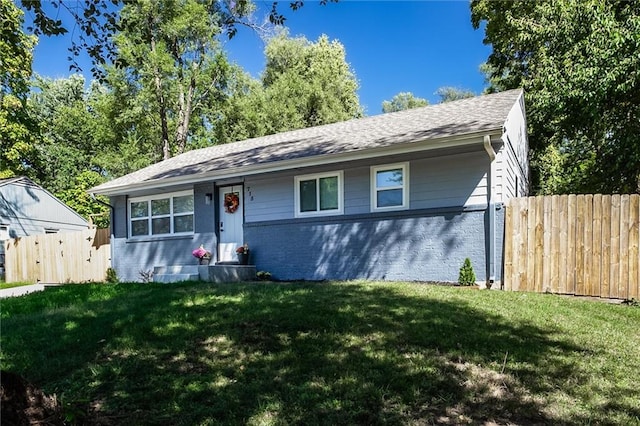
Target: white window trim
[296, 191]
[405, 186]
[4, 233]
[148, 198]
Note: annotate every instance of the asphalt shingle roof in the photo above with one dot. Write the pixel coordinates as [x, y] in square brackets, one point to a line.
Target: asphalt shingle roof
[14, 179]
[433, 122]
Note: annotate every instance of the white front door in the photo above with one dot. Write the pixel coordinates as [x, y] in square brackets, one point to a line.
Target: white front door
[230, 223]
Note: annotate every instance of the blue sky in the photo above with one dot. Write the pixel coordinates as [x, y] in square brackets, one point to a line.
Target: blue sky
[392, 46]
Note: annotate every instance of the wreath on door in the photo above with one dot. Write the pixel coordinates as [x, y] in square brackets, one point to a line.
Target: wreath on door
[231, 202]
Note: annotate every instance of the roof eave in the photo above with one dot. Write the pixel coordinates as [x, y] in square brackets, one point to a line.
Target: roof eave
[282, 165]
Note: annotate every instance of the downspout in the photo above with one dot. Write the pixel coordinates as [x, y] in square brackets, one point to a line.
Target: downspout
[491, 210]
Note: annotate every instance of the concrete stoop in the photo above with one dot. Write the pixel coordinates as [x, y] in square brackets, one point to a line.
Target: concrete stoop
[219, 273]
[227, 273]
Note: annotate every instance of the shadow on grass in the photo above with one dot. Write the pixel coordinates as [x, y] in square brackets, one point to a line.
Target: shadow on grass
[290, 353]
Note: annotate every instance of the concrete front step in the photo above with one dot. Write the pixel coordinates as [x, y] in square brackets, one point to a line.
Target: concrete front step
[219, 273]
[174, 278]
[227, 273]
[175, 269]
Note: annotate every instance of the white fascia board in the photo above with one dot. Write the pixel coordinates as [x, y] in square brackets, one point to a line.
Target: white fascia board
[425, 145]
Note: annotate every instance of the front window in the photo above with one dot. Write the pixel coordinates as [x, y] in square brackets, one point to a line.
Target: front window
[318, 195]
[390, 187]
[164, 214]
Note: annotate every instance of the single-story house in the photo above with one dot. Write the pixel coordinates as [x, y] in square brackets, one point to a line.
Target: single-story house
[28, 209]
[399, 196]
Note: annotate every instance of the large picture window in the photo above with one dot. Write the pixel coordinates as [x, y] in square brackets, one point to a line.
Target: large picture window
[163, 214]
[319, 194]
[390, 187]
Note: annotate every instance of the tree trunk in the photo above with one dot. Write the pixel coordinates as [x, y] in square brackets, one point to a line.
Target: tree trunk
[166, 151]
[184, 113]
[184, 116]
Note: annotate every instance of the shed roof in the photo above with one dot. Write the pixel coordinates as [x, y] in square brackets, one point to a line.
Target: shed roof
[432, 123]
[22, 179]
[39, 198]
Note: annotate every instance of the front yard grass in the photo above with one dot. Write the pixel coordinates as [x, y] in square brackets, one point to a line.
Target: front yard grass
[325, 353]
[4, 285]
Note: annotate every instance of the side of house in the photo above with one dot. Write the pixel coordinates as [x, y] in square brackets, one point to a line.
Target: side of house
[402, 196]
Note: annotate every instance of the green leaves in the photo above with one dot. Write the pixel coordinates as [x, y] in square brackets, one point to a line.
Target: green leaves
[578, 64]
[304, 84]
[17, 127]
[403, 101]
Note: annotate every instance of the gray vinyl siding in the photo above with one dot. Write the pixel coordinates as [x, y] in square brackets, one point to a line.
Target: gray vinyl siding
[508, 177]
[357, 192]
[499, 176]
[453, 180]
[28, 209]
[269, 198]
[515, 153]
[459, 180]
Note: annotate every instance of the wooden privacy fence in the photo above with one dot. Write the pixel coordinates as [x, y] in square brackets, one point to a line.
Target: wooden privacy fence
[58, 258]
[585, 245]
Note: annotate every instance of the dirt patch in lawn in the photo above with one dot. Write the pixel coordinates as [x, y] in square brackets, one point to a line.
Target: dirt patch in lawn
[22, 403]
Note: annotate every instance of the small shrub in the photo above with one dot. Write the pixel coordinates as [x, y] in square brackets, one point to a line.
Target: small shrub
[112, 276]
[467, 276]
[263, 275]
[146, 276]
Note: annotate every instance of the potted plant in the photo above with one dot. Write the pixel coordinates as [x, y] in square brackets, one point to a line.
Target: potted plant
[203, 255]
[243, 254]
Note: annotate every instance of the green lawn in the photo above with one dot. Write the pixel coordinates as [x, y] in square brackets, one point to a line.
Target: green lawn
[4, 285]
[325, 353]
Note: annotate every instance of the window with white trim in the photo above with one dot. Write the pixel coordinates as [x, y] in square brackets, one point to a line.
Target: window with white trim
[4, 235]
[165, 214]
[319, 194]
[390, 187]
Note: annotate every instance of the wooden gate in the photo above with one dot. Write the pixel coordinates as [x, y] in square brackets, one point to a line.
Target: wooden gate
[585, 245]
[58, 258]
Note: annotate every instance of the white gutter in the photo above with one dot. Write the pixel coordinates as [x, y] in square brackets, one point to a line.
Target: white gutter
[426, 145]
[491, 210]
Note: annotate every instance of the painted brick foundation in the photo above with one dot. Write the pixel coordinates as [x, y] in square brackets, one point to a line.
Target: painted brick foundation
[416, 246]
[425, 245]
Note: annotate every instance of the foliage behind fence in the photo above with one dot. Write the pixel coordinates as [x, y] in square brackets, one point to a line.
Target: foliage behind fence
[57, 258]
[585, 245]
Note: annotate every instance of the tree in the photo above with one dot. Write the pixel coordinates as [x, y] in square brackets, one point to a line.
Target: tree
[448, 94]
[304, 84]
[66, 140]
[78, 198]
[98, 22]
[308, 83]
[124, 124]
[578, 64]
[71, 139]
[17, 128]
[406, 100]
[169, 50]
[403, 101]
